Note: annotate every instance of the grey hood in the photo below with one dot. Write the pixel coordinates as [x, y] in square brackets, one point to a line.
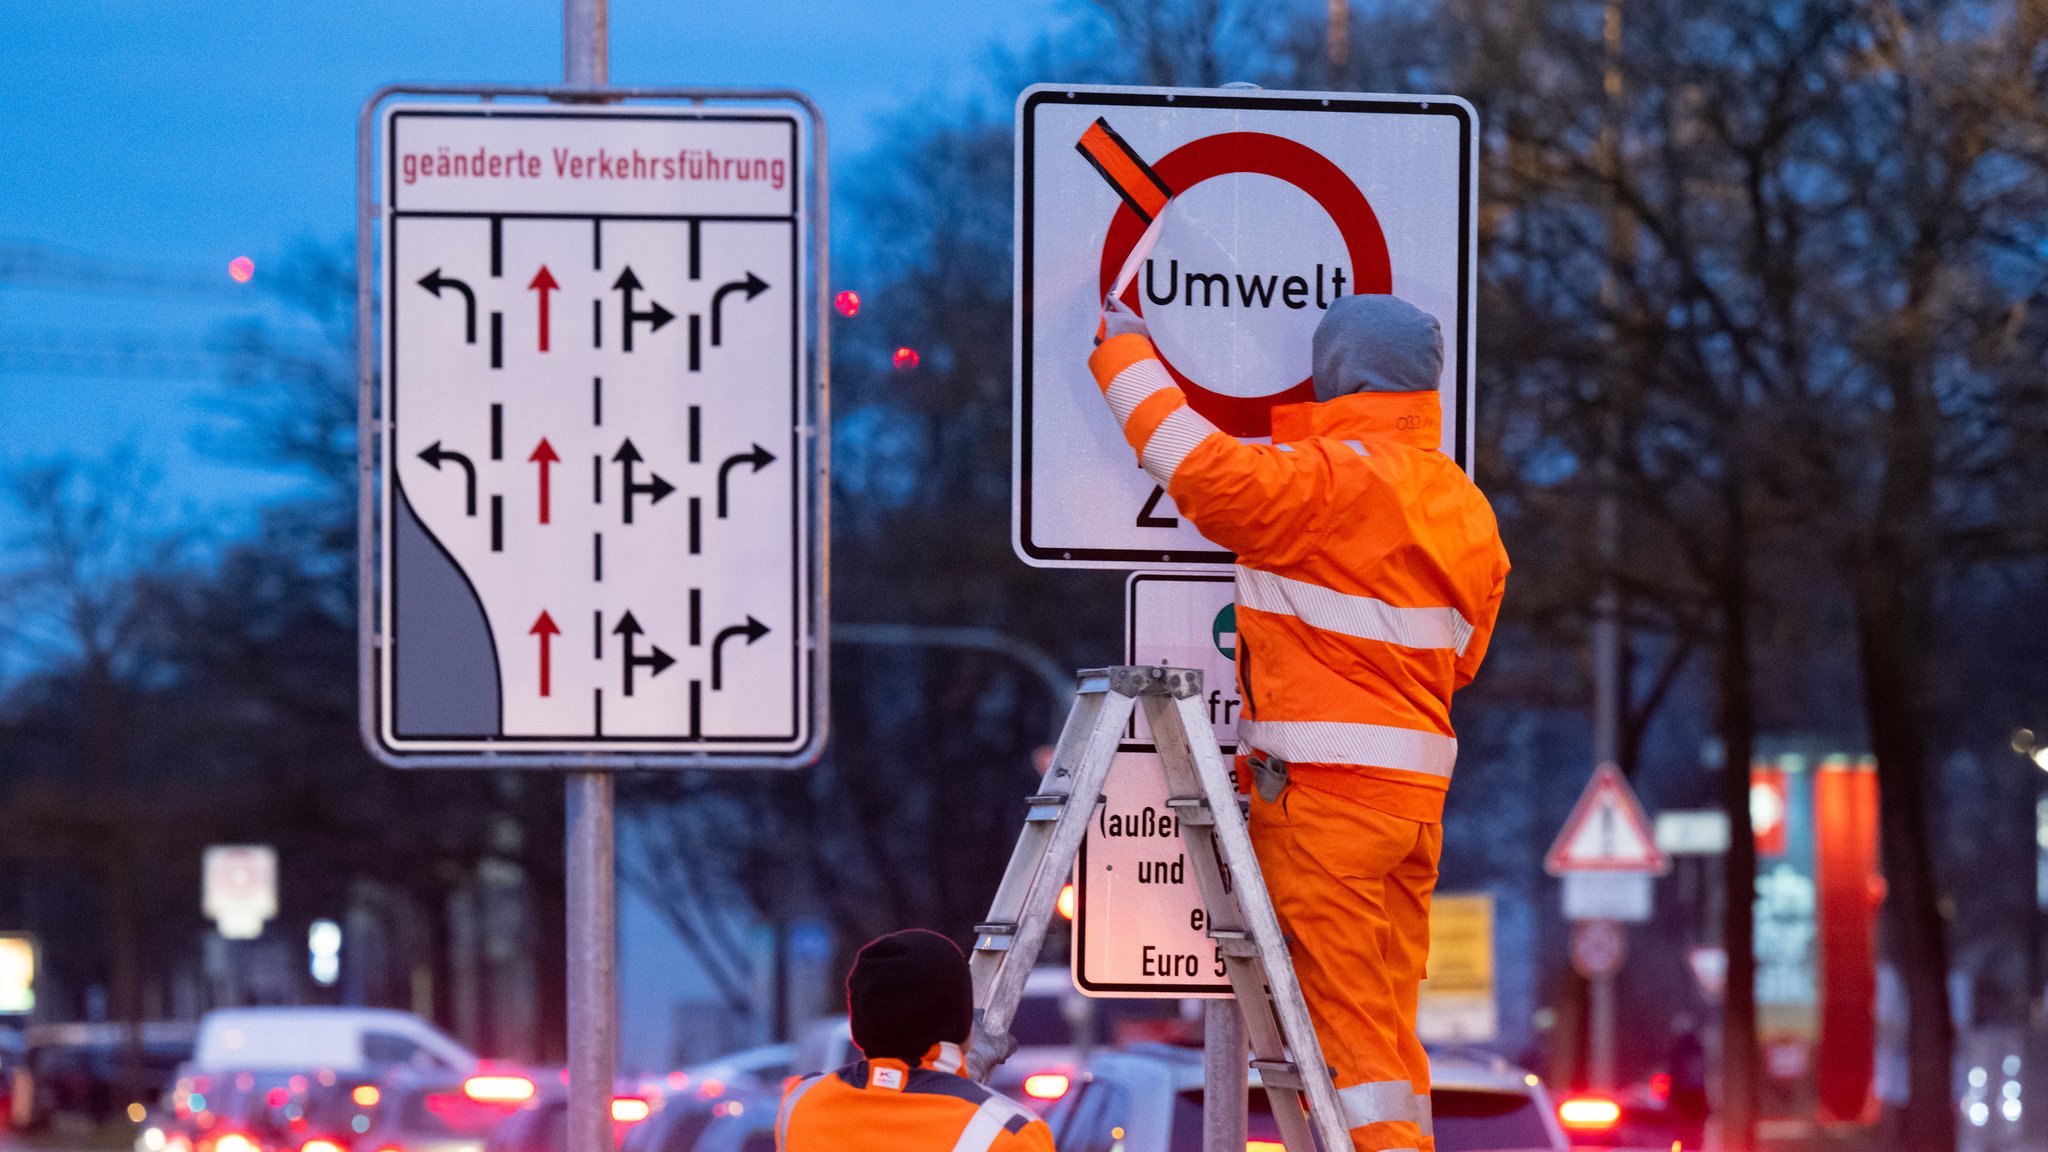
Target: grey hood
[1376, 344]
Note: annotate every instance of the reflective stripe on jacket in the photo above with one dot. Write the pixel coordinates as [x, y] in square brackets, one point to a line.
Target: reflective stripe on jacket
[1369, 575]
[890, 1106]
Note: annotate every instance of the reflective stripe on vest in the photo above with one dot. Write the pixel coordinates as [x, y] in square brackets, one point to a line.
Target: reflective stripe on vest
[1133, 385]
[1365, 617]
[1363, 745]
[789, 1108]
[1425, 1119]
[1177, 435]
[990, 1120]
[1381, 1102]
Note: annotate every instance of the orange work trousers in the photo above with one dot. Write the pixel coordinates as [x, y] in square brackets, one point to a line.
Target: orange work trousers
[1352, 886]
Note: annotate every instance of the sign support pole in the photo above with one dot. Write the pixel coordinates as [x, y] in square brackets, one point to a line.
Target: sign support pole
[592, 908]
[1225, 1077]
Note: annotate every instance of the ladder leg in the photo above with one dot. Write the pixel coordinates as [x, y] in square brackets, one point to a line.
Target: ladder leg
[1007, 944]
[1244, 924]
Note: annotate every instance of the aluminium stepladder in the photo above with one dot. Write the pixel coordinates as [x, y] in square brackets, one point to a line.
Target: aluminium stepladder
[1241, 918]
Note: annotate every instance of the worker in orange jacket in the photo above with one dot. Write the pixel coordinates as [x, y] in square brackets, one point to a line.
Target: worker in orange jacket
[1369, 574]
[911, 1002]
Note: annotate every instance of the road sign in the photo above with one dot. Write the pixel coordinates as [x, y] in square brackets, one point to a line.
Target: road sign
[1139, 925]
[1622, 896]
[1696, 832]
[599, 514]
[17, 974]
[1607, 831]
[239, 884]
[1279, 203]
[1458, 1004]
[1598, 948]
[1187, 620]
[1123, 928]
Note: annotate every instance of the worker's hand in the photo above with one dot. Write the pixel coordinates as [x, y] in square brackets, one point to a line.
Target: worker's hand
[1119, 320]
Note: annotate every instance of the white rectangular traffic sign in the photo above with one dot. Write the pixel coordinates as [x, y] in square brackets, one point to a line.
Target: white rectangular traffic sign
[1140, 929]
[1138, 915]
[599, 511]
[1274, 204]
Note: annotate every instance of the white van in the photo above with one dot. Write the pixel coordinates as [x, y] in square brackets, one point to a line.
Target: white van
[343, 1039]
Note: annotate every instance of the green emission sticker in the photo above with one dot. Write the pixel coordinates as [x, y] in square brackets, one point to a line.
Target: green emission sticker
[1223, 632]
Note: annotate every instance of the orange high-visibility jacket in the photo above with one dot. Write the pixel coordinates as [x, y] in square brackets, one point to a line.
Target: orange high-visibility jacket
[1369, 574]
[888, 1105]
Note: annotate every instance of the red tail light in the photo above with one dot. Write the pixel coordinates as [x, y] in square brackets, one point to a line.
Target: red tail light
[320, 1145]
[1047, 1085]
[496, 1089]
[1589, 1114]
[630, 1109]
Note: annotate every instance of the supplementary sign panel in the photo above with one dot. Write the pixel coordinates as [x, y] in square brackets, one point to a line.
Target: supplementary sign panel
[1268, 206]
[599, 516]
[1140, 927]
[1457, 1004]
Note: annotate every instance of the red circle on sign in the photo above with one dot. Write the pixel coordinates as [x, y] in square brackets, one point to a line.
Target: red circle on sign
[1261, 153]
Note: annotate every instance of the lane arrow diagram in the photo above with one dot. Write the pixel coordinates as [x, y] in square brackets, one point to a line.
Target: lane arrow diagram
[654, 487]
[753, 630]
[656, 662]
[544, 456]
[654, 317]
[543, 282]
[434, 282]
[434, 454]
[753, 286]
[544, 627]
[760, 458]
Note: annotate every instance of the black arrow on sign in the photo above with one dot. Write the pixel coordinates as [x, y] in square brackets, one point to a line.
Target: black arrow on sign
[753, 630]
[434, 282]
[654, 317]
[654, 488]
[434, 454]
[759, 458]
[753, 285]
[656, 662]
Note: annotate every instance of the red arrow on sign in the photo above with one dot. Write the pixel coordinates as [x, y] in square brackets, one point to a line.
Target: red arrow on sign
[544, 455]
[544, 627]
[543, 282]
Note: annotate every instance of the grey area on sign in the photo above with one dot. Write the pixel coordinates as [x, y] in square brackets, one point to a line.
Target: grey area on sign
[445, 663]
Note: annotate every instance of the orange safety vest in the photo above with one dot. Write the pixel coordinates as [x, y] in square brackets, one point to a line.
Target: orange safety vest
[1369, 574]
[890, 1106]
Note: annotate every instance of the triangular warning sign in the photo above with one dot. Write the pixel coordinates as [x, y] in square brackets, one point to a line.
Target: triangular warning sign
[1607, 831]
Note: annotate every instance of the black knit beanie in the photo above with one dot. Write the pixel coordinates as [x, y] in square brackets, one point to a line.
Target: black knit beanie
[908, 991]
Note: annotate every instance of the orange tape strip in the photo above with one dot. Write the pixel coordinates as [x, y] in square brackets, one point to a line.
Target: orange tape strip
[1126, 171]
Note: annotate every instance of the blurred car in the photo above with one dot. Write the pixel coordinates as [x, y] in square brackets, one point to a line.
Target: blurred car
[442, 1111]
[1056, 1028]
[81, 1069]
[231, 1112]
[1639, 1119]
[1149, 1099]
[541, 1124]
[742, 1122]
[340, 1039]
[764, 1067]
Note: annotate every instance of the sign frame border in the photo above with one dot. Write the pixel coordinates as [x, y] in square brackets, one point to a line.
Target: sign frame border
[370, 429]
[1465, 410]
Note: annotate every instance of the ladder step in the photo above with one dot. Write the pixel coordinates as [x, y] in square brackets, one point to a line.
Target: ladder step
[1235, 942]
[1279, 1074]
[1044, 809]
[1192, 810]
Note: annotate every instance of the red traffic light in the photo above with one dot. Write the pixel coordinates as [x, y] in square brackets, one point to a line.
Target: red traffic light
[905, 359]
[847, 302]
[241, 269]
